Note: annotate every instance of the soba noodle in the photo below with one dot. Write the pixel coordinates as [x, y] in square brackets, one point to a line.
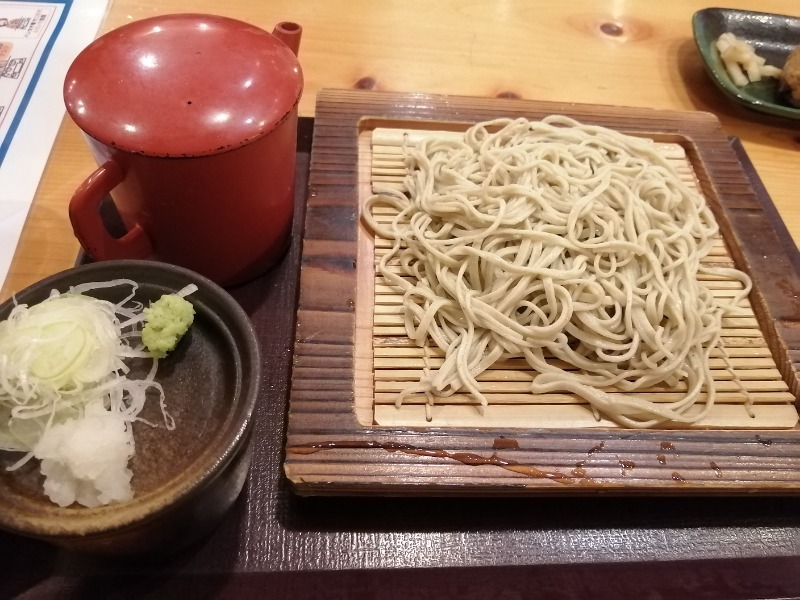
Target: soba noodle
[556, 240]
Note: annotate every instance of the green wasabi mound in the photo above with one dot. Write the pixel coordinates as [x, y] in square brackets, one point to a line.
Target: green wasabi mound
[165, 322]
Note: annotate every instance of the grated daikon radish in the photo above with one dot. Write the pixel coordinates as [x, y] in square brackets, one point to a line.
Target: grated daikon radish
[85, 460]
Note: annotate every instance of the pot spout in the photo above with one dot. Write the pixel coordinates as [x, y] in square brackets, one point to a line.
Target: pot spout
[289, 33]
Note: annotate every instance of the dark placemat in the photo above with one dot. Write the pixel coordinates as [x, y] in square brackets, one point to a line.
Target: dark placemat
[275, 544]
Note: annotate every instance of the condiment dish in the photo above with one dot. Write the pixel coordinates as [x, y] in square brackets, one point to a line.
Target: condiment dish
[772, 36]
[184, 480]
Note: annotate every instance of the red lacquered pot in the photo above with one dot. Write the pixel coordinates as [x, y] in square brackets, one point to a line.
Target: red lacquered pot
[192, 120]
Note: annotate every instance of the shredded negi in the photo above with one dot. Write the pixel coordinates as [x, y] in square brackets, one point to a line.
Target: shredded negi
[66, 397]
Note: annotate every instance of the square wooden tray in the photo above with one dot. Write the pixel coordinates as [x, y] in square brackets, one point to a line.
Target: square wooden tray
[333, 444]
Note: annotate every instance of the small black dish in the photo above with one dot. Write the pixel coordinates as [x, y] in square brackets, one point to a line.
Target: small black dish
[772, 36]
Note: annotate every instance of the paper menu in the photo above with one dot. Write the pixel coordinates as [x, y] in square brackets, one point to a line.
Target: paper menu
[38, 42]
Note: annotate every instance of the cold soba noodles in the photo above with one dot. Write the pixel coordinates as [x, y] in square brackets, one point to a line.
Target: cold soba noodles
[556, 240]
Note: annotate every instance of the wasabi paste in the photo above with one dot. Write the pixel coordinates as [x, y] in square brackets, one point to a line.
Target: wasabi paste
[165, 322]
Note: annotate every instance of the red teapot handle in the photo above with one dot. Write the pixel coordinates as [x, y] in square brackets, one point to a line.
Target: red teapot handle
[84, 214]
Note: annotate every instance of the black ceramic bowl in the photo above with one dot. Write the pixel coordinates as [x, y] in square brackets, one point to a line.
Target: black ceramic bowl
[184, 480]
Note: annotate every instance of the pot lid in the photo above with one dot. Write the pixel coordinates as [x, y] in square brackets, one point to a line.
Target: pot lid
[182, 85]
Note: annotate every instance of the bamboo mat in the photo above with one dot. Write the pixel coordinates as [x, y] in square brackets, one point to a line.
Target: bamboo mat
[750, 390]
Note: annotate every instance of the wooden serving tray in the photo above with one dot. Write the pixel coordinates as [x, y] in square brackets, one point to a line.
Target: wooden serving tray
[340, 440]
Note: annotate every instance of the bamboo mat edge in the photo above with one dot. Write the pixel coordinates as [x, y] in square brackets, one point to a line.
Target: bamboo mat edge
[384, 413]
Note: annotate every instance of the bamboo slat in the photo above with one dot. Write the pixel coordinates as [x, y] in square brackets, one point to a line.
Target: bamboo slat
[748, 394]
[772, 416]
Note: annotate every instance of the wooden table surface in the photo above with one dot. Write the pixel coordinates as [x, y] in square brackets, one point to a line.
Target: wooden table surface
[617, 52]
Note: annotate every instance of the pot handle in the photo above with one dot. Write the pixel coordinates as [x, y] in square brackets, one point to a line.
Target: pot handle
[84, 214]
[289, 33]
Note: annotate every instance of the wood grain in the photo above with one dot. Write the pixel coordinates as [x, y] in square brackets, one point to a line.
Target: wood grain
[581, 51]
[332, 447]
